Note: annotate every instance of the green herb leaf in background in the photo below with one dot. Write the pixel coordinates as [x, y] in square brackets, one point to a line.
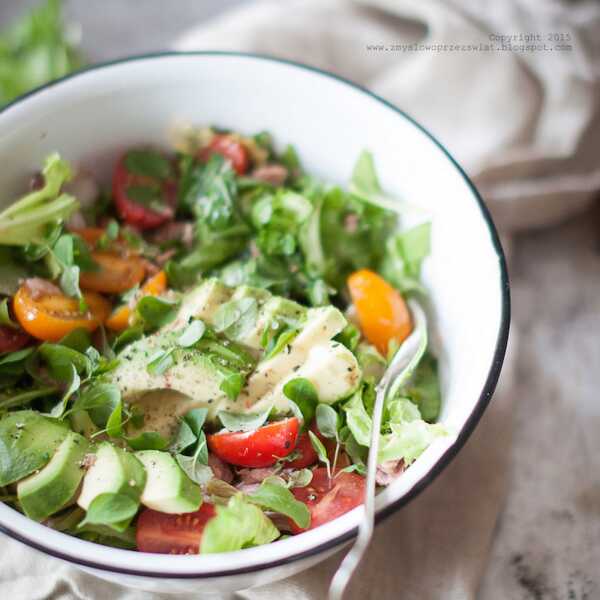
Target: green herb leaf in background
[34, 50]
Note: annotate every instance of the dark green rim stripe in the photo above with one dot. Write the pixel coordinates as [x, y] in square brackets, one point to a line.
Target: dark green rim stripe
[467, 429]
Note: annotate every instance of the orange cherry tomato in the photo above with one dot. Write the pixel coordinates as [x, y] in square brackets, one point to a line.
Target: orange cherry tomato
[382, 312]
[50, 316]
[116, 274]
[156, 285]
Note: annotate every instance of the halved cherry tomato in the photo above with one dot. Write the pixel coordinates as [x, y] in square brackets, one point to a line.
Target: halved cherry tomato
[156, 285]
[133, 211]
[115, 274]
[231, 149]
[259, 448]
[172, 534]
[307, 455]
[12, 339]
[382, 312]
[328, 499]
[52, 315]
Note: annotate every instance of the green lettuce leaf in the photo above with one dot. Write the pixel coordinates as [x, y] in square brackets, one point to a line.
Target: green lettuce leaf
[409, 435]
[27, 220]
[239, 524]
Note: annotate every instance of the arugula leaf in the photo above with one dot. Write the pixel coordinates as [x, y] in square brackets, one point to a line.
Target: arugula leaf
[304, 395]
[405, 252]
[5, 319]
[78, 339]
[327, 421]
[279, 499]
[58, 411]
[365, 184]
[184, 439]
[424, 389]
[12, 271]
[208, 191]
[243, 421]
[232, 385]
[349, 336]
[61, 358]
[357, 419]
[154, 313]
[160, 361]
[114, 510]
[100, 400]
[192, 334]
[310, 241]
[236, 317]
[148, 163]
[239, 524]
[194, 469]
[148, 440]
[280, 342]
[12, 398]
[26, 221]
[319, 448]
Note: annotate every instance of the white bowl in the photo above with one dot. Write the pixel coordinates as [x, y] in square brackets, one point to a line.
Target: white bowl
[91, 116]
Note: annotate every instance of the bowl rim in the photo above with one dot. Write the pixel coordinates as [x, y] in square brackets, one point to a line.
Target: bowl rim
[468, 426]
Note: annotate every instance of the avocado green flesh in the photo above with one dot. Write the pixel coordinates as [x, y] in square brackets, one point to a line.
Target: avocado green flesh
[168, 489]
[114, 470]
[46, 492]
[193, 374]
[193, 381]
[28, 440]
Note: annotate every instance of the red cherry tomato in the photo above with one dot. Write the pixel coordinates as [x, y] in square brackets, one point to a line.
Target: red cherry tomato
[328, 499]
[307, 455]
[172, 534]
[12, 339]
[259, 448]
[231, 149]
[134, 211]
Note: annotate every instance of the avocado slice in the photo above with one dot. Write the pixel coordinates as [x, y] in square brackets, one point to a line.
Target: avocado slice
[273, 309]
[200, 303]
[28, 440]
[330, 367]
[192, 373]
[321, 325]
[168, 489]
[46, 492]
[114, 470]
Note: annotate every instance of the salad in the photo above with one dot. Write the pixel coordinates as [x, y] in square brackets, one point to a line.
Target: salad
[188, 361]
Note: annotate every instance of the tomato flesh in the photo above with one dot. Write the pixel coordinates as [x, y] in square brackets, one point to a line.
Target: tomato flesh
[134, 212]
[12, 339]
[164, 533]
[307, 455]
[231, 149]
[328, 499]
[51, 316]
[115, 274]
[382, 312]
[259, 448]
